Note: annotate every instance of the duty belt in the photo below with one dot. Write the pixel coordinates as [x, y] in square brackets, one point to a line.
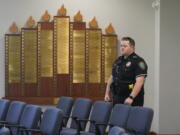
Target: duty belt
[129, 83]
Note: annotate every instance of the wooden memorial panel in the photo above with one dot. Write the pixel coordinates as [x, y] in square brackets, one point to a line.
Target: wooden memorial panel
[77, 59]
[61, 54]
[45, 56]
[13, 64]
[29, 61]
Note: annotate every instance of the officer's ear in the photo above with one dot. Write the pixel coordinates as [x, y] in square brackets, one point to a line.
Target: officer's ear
[132, 46]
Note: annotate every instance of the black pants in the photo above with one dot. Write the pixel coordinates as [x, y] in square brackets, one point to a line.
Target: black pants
[138, 101]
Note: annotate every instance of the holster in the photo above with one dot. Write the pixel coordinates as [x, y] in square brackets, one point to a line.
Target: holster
[119, 88]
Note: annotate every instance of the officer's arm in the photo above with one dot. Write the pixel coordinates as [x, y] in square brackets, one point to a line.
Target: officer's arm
[138, 85]
[107, 94]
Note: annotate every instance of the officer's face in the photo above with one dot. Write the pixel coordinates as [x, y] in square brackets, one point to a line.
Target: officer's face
[125, 48]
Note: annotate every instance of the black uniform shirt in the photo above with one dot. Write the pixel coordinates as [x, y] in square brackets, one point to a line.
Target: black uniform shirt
[125, 71]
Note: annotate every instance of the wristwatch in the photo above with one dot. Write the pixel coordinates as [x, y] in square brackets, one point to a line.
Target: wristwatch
[131, 97]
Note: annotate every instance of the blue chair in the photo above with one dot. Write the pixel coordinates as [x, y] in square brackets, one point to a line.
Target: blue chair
[31, 116]
[100, 114]
[50, 124]
[4, 105]
[29, 119]
[65, 104]
[139, 121]
[13, 115]
[119, 115]
[81, 110]
[14, 112]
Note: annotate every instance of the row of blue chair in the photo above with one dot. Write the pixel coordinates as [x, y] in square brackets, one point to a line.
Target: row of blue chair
[19, 118]
[80, 115]
[134, 120]
[138, 122]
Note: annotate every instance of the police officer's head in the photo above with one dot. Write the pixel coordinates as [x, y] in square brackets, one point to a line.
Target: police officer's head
[127, 46]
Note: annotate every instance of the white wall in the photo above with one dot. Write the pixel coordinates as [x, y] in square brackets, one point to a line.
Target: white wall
[169, 100]
[135, 18]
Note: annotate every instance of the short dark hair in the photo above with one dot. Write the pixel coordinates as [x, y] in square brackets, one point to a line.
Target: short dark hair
[131, 41]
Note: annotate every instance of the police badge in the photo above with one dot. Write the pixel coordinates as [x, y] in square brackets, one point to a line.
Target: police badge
[128, 64]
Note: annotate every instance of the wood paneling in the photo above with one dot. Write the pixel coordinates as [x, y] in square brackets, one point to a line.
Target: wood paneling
[14, 90]
[78, 89]
[46, 87]
[30, 89]
[62, 85]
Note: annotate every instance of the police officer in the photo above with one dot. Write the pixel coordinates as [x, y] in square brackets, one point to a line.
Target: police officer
[126, 83]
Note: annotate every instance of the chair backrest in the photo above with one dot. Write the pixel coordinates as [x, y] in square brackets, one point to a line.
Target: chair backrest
[30, 116]
[51, 121]
[81, 110]
[139, 120]
[4, 105]
[14, 112]
[119, 115]
[65, 104]
[100, 114]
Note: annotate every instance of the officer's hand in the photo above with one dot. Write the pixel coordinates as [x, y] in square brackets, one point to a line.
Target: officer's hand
[107, 97]
[128, 101]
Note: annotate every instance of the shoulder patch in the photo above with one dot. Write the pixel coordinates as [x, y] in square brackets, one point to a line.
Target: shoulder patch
[142, 65]
[135, 57]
